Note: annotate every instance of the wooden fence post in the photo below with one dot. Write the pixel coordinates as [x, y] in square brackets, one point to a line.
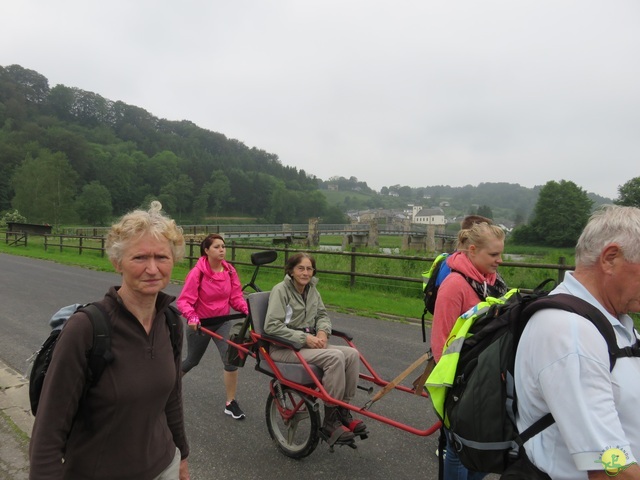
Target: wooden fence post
[352, 280]
[561, 261]
[191, 244]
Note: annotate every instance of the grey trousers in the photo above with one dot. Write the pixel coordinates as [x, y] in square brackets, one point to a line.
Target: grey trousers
[197, 344]
[340, 364]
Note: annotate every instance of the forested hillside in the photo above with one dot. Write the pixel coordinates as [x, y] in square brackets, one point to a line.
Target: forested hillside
[508, 202]
[71, 155]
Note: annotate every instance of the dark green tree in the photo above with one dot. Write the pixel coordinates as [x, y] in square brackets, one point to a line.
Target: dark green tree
[200, 203]
[405, 193]
[73, 145]
[10, 157]
[559, 216]
[183, 190]
[485, 211]
[220, 191]
[281, 210]
[168, 200]
[180, 194]
[45, 188]
[94, 204]
[60, 102]
[334, 215]
[262, 186]
[29, 84]
[629, 193]
[312, 204]
[160, 170]
[117, 171]
[240, 185]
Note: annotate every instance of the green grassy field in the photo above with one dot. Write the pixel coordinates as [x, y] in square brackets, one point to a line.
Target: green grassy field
[372, 297]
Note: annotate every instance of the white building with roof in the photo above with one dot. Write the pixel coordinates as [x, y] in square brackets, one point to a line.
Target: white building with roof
[428, 216]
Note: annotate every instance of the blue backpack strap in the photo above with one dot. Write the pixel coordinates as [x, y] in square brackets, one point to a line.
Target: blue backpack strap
[437, 273]
[443, 271]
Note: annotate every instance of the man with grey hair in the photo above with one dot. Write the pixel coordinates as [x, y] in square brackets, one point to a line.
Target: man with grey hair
[562, 364]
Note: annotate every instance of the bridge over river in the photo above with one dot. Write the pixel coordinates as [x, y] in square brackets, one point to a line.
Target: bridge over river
[429, 238]
[417, 237]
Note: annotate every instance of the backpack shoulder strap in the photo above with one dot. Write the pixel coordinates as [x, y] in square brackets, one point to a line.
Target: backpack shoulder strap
[173, 321]
[100, 355]
[477, 286]
[571, 303]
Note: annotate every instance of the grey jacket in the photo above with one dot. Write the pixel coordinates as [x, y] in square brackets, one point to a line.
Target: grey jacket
[288, 313]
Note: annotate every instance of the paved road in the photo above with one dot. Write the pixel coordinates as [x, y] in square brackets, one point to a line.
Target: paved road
[222, 448]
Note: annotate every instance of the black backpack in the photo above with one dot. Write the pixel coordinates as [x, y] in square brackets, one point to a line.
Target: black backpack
[481, 404]
[97, 358]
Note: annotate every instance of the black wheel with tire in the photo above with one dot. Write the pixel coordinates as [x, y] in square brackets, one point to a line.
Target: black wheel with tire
[293, 421]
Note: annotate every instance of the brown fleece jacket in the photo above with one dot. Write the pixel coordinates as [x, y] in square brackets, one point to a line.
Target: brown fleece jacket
[135, 409]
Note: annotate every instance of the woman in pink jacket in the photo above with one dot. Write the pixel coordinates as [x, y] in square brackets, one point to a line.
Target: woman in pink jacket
[474, 276]
[211, 289]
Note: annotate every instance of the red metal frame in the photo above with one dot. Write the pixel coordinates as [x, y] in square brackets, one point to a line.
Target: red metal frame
[286, 413]
[317, 390]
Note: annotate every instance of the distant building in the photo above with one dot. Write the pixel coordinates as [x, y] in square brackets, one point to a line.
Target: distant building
[428, 216]
[36, 229]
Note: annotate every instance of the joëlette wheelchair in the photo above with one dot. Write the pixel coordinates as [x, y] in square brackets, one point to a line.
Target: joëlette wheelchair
[295, 391]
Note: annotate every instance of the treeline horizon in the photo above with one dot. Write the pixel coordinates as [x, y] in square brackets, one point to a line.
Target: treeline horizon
[68, 155]
[71, 155]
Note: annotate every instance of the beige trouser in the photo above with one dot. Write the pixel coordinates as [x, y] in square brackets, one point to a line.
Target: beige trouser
[172, 472]
[340, 364]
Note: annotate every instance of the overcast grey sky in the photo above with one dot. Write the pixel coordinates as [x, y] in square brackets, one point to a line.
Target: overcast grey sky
[417, 93]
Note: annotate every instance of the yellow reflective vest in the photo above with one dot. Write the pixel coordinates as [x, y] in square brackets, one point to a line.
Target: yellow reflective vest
[426, 275]
[443, 375]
